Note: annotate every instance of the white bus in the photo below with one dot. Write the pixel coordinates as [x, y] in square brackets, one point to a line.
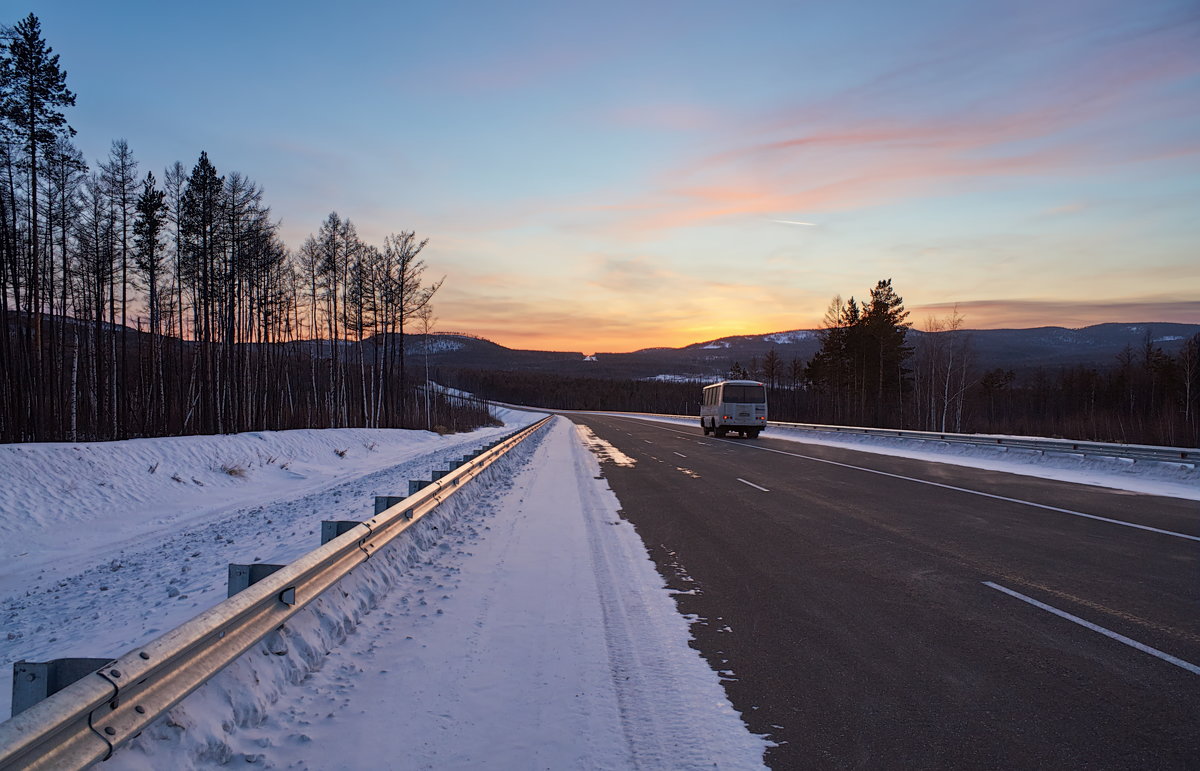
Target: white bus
[734, 405]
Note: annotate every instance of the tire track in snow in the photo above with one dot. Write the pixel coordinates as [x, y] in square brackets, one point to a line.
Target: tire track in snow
[663, 686]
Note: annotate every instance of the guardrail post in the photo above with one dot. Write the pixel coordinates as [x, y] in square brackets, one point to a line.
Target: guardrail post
[332, 528]
[36, 680]
[415, 486]
[438, 475]
[385, 502]
[242, 576]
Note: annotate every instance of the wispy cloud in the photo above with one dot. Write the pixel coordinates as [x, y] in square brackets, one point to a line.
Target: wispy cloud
[850, 152]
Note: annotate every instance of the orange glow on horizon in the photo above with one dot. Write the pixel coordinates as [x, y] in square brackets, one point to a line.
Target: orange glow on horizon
[982, 314]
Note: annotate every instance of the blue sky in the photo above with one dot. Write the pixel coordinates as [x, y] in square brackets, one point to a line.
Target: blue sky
[609, 176]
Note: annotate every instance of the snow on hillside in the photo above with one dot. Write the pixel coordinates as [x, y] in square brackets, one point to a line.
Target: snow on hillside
[779, 338]
[438, 345]
[786, 338]
[684, 378]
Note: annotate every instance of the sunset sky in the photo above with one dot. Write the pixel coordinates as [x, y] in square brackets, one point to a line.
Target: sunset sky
[609, 176]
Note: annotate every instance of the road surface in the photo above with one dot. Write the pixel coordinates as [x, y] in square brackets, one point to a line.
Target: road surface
[876, 611]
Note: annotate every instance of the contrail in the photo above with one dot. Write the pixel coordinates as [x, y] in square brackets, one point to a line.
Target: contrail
[794, 222]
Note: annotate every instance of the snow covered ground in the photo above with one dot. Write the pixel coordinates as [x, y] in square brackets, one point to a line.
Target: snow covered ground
[107, 544]
[1174, 480]
[523, 625]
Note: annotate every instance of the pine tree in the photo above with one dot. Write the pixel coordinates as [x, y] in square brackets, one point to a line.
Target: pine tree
[884, 324]
[862, 354]
[772, 367]
[408, 296]
[149, 260]
[200, 227]
[33, 89]
[120, 183]
[148, 228]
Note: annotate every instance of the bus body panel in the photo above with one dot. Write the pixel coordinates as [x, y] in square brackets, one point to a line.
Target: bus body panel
[734, 405]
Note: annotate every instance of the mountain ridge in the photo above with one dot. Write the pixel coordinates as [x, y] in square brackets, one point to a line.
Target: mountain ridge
[1029, 348]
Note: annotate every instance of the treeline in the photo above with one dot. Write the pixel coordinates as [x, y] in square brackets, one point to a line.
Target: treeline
[134, 306]
[541, 389]
[1147, 396]
[870, 371]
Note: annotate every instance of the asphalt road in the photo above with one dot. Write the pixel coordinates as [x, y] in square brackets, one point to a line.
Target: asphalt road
[868, 611]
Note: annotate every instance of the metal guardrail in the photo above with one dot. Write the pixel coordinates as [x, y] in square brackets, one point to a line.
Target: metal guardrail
[1183, 455]
[87, 720]
[1068, 446]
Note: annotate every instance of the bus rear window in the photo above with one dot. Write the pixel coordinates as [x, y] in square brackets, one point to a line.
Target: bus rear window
[745, 394]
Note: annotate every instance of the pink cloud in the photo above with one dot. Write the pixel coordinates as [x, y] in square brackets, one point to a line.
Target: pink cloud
[845, 153]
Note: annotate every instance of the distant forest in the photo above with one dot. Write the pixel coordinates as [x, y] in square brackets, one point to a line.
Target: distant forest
[138, 306]
[867, 374]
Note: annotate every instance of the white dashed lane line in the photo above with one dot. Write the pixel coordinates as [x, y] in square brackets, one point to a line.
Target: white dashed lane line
[756, 487]
[1195, 670]
[955, 488]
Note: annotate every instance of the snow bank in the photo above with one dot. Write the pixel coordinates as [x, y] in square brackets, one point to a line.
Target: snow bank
[63, 501]
[98, 553]
[1173, 480]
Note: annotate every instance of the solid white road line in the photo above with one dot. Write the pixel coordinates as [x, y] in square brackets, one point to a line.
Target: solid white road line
[756, 487]
[1195, 670]
[993, 496]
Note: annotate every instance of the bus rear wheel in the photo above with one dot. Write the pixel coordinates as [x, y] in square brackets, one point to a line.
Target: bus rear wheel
[753, 434]
[704, 427]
